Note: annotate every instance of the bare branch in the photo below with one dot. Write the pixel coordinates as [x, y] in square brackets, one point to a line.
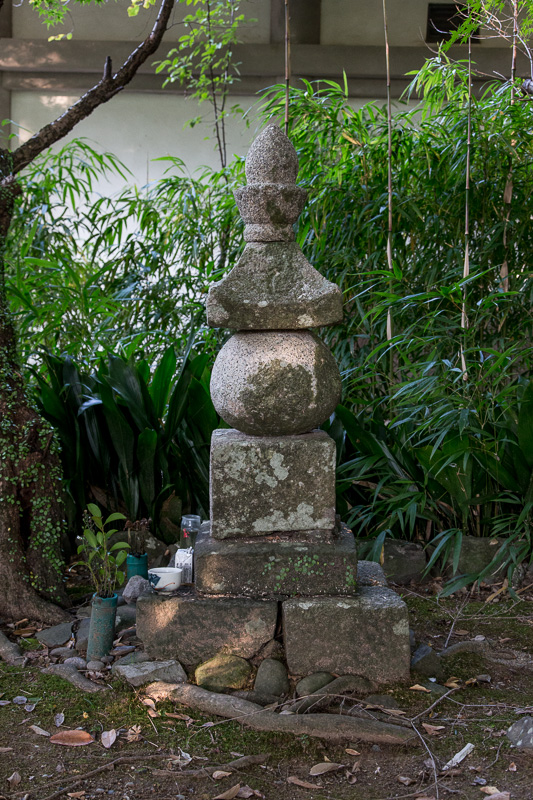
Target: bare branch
[106, 88]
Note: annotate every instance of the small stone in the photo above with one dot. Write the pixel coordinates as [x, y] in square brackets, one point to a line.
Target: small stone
[126, 617]
[149, 671]
[483, 678]
[435, 688]
[77, 662]
[376, 748]
[107, 659]
[137, 657]
[223, 672]
[520, 734]
[122, 650]
[134, 588]
[82, 634]
[425, 661]
[272, 649]
[271, 678]
[312, 683]
[55, 636]
[63, 652]
[383, 700]
[96, 666]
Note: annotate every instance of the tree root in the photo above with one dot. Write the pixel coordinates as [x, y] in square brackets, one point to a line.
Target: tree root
[333, 727]
[71, 674]
[233, 766]
[329, 693]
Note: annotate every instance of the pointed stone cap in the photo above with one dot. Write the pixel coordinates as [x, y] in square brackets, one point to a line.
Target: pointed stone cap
[271, 158]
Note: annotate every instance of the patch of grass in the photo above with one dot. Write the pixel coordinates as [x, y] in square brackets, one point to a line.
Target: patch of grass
[29, 644]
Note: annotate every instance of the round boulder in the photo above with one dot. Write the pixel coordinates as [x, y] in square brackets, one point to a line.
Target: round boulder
[275, 383]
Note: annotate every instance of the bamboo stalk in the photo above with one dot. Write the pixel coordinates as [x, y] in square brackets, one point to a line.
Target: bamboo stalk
[466, 266]
[287, 63]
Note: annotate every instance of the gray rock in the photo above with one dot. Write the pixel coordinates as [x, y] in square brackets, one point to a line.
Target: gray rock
[272, 649]
[271, 678]
[312, 683]
[193, 629]
[223, 672]
[383, 700]
[257, 697]
[520, 734]
[273, 287]
[64, 652]
[425, 661]
[76, 661]
[281, 567]
[82, 634]
[403, 561]
[370, 574]
[275, 383]
[95, 666]
[366, 635]
[262, 485]
[55, 636]
[435, 689]
[271, 158]
[126, 617]
[107, 659]
[142, 673]
[137, 657]
[476, 554]
[10, 652]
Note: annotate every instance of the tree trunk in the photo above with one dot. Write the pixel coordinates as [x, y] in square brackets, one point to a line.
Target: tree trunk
[31, 516]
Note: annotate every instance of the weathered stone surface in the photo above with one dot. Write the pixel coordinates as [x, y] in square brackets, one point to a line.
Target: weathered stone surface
[275, 383]
[126, 616]
[425, 661]
[271, 158]
[134, 588]
[273, 287]
[271, 678]
[193, 629]
[520, 734]
[95, 666]
[63, 652]
[262, 485]
[370, 574]
[142, 673]
[137, 657]
[383, 700]
[312, 683]
[364, 635]
[270, 568]
[403, 561]
[55, 636]
[476, 554]
[223, 672]
[76, 661]
[82, 634]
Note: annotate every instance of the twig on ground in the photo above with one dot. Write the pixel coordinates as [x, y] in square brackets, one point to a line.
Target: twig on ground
[430, 754]
[233, 766]
[432, 706]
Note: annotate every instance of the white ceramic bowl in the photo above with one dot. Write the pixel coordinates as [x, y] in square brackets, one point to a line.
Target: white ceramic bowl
[165, 579]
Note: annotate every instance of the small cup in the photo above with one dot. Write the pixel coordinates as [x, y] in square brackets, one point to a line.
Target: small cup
[190, 526]
[165, 579]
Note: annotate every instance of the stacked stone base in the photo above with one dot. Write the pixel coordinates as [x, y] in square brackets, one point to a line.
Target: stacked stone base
[365, 633]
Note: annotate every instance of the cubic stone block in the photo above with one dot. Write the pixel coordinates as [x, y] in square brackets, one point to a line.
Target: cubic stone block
[275, 383]
[263, 485]
[273, 287]
[271, 568]
[193, 629]
[367, 635]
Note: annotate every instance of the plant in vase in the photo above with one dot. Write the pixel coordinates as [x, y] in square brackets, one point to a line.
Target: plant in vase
[137, 560]
[103, 561]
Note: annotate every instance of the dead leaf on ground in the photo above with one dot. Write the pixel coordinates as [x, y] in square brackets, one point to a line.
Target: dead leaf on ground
[207, 725]
[29, 707]
[184, 717]
[14, 779]
[108, 738]
[433, 730]
[20, 700]
[425, 797]
[134, 733]
[5, 749]
[405, 780]
[512, 767]
[325, 766]
[230, 794]
[491, 790]
[40, 731]
[5, 702]
[461, 632]
[147, 701]
[246, 792]
[352, 752]
[453, 683]
[72, 738]
[418, 688]
[76, 794]
[153, 714]
[59, 719]
[304, 784]
[218, 774]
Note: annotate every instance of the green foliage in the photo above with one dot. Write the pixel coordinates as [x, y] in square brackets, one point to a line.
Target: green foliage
[102, 558]
[133, 439]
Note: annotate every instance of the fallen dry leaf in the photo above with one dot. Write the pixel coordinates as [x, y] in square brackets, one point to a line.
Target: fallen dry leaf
[452, 684]
[352, 752]
[512, 767]
[14, 779]
[184, 717]
[405, 780]
[425, 797]
[218, 774]
[433, 730]
[72, 738]
[29, 707]
[152, 713]
[246, 792]
[230, 794]
[134, 733]
[5, 749]
[303, 784]
[40, 731]
[147, 701]
[20, 700]
[418, 688]
[490, 790]
[108, 738]
[325, 766]
[461, 632]
[76, 794]
[59, 719]
[501, 796]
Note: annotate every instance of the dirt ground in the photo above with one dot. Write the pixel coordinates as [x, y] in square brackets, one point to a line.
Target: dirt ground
[162, 752]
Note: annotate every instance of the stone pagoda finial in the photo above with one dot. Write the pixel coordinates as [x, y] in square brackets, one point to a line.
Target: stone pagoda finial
[273, 377]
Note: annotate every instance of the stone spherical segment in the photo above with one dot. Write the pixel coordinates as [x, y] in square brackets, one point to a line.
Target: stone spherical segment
[271, 158]
[275, 383]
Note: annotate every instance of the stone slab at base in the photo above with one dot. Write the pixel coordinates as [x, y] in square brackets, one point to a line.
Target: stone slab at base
[192, 629]
[270, 567]
[367, 635]
[265, 484]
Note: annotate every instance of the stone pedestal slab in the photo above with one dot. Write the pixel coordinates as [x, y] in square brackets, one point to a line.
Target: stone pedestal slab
[276, 565]
[265, 484]
[193, 629]
[367, 635]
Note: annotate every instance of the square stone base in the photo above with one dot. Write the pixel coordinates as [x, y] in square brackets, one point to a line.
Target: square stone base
[192, 629]
[276, 566]
[367, 635]
[261, 485]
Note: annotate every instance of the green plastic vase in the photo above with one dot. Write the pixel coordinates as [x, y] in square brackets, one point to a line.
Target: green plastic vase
[137, 565]
[102, 626]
